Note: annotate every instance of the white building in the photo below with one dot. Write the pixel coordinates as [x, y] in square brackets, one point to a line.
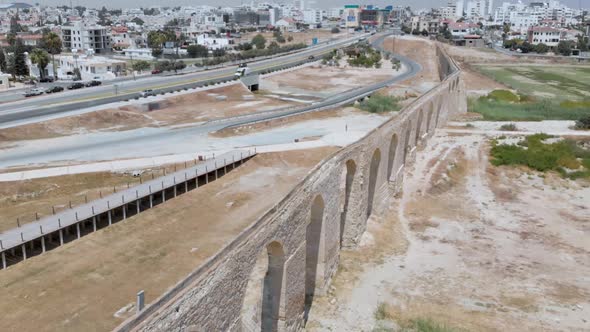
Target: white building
[521, 16]
[138, 53]
[312, 16]
[91, 67]
[214, 43]
[80, 36]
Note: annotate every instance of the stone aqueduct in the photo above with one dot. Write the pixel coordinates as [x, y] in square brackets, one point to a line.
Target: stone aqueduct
[266, 278]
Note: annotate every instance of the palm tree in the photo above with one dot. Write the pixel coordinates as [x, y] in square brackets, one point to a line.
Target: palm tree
[52, 43]
[41, 59]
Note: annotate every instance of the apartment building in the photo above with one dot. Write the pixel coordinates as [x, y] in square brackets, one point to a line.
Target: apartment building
[85, 37]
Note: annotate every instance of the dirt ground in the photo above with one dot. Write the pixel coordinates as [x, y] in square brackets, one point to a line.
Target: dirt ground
[81, 285]
[471, 246]
[29, 199]
[182, 109]
[323, 81]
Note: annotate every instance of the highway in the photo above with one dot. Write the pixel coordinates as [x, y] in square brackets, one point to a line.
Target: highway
[148, 141]
[41, 106]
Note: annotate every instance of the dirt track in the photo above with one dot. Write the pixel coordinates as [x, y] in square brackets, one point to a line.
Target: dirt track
[474, 246]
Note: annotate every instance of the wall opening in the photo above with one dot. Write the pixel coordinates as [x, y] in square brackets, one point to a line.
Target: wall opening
[313, 252]
[391, 159]
[407, 146]
[350, 173]
[375, 161]
[262, 299]
[429, 115]
[419, 126]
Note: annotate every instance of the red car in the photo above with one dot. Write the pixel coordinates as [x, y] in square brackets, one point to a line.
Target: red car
[155, 71]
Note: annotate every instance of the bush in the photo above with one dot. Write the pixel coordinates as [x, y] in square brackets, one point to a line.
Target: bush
[380, 104]
[503, 95]
[335, 30]
[509, 127]
[533, 152]
[583, 123]
[197, 51]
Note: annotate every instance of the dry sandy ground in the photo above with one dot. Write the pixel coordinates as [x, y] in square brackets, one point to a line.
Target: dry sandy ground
[186, 108]
[324, 81]
[472, 246]
[422, 51]
[22, 199]
[81, 285]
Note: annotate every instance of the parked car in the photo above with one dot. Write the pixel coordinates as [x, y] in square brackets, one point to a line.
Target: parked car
[93, 83]
[34, 92]
[156, 71]
[311, 57]
[55, 89]
[75, 86]
[147, 93]
[30, 82]
[48, 79]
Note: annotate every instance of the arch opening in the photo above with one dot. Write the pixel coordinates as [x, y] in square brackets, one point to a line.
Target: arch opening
[407, 147]
[350, 173]
[374, 170]
[419, 126]
[391, 159]
[262, 299]
[313, 252]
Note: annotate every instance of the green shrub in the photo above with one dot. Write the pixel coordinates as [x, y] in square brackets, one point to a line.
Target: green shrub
[532, 152]
[509, 127]
[426, 325]
[380, 104]
[583, 123]
[503, 95]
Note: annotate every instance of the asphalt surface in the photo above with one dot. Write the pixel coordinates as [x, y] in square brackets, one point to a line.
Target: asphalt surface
[148, 141]
[64, 102]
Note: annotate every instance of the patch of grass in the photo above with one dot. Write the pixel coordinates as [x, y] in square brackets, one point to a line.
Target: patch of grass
[544, 109]
[382, 312]
[562, 156]
[503, 95]
[380, 104]
[426, 325]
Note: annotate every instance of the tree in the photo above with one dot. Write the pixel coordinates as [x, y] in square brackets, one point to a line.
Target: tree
[582, 43]
[290, 38]
[541, 48]
[197, 51]
[219, 53]
[15, 27]
[18, 60]
[274, 47]
[335, 30]
[424, 32]
[52, 44]
[138, 21]
[564, 48]
[157, 52]
[525, 47]
[259, 41]
[141, 65]
[2, 61]
[40, 57]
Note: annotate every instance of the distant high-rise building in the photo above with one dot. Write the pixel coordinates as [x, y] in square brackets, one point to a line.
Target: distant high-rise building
[459, 8]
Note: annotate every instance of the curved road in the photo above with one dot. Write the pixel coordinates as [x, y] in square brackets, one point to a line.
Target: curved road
[41, 106]
[147, 141]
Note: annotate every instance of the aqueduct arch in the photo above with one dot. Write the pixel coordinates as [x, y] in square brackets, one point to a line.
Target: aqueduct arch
[391, 158]
[419, 127]
[350, 170]
[262, 301]
[373, 172]
[314, 253]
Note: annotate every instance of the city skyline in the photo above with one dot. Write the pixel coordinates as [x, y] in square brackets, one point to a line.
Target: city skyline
[414, 4]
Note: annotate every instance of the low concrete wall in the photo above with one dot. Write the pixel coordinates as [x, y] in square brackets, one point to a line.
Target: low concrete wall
[267, 277]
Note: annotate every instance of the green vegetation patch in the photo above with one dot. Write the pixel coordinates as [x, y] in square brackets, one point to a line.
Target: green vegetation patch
[426, 325]
[503, 105]
[380, 104]
[565, 156]
[563, 82]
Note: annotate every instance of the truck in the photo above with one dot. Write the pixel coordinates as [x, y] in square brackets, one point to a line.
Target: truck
[243, 70]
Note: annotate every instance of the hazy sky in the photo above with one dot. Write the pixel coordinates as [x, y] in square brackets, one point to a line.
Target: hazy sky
[415, 4]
